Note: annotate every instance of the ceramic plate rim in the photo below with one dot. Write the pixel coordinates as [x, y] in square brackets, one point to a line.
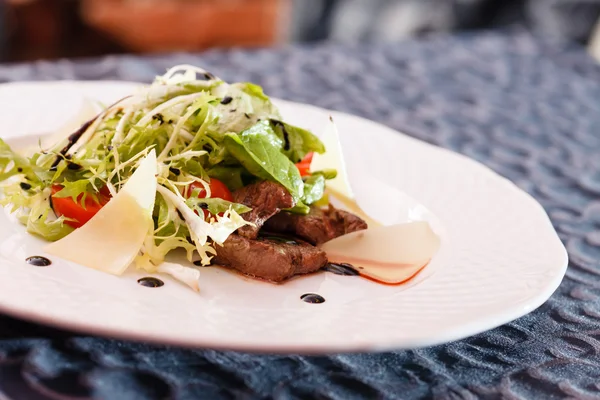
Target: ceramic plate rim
[466, 329]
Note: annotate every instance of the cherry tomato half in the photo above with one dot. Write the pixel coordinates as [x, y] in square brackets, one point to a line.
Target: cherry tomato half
[78, 213]
[304, 165]
[217, 189]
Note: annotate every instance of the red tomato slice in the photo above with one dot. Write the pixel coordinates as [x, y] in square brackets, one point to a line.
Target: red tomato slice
[76, 212]
[217, 189]
[304, 169]
[307, 158]
[304, 165]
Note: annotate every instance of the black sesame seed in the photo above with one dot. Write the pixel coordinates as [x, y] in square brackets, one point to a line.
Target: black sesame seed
[209, 76]
[233, 110]
[25, 186]
[20, 169]
[159, 117]
[203, 206]
[226, 100]
[109, 148]
[175, 171]
[247, 115]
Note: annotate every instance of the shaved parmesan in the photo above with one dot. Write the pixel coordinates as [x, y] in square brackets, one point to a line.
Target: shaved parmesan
[388, 254]
[111, 240]
[333, 158]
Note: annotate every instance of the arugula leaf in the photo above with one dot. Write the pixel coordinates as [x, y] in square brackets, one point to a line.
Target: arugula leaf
[258, 149]
[297, 142]
[214, 205]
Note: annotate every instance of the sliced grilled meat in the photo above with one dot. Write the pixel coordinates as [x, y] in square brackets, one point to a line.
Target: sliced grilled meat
[270, 258]
[266, 199]
[318, 227]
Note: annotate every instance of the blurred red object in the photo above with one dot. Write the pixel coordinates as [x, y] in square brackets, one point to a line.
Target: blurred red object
[154, 25]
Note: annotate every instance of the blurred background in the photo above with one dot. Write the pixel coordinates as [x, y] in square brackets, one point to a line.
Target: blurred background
[50, 29]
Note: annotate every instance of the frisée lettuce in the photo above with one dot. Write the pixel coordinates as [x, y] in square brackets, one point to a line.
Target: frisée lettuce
[193, 128]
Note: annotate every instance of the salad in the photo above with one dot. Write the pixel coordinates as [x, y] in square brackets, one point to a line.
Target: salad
[222, 163]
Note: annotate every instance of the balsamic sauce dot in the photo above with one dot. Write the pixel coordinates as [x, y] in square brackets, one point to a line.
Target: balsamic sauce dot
[19, 169]
[312, 298]
[38, 261]
[151, 282]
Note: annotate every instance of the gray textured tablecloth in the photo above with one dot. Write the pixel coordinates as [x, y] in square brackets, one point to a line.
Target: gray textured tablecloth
[526, 108]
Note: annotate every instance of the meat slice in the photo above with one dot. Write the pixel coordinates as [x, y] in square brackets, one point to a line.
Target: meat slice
[266, 199]
[318, 227]
[270, 258]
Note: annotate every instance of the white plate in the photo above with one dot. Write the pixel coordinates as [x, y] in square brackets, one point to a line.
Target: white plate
[500, 256]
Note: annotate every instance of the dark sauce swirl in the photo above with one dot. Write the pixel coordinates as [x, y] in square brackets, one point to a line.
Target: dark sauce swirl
[151, 282]
[312, 298]
[341, 269]
[38, 261]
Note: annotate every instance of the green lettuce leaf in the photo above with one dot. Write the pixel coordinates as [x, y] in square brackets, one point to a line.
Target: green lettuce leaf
[314, 189]
[258, 149]
[326, 173]
[297, 142]
[254, 90]
[299, 208]
[241, 106]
